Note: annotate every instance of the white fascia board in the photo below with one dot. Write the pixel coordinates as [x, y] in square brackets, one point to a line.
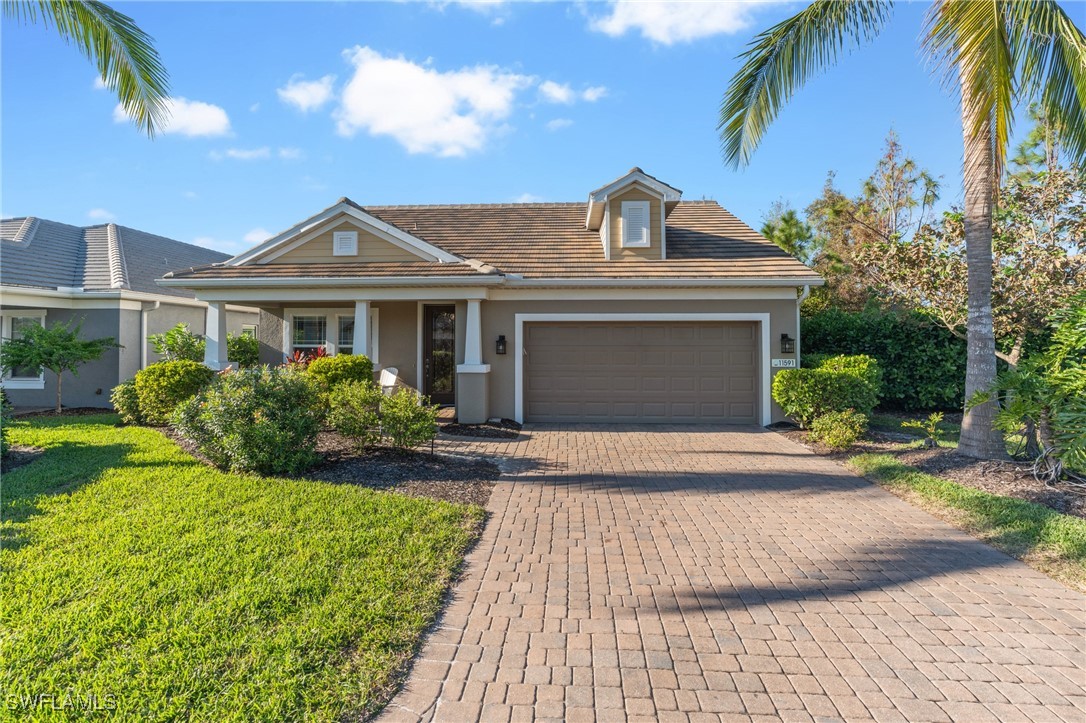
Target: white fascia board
[79, 299]
[343, 208]
[601, 195]
[664, 282]
[336, 281]
[774, 293]
[310, 296]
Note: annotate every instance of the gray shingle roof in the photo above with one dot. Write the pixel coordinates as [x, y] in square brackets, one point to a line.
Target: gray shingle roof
[50, 255]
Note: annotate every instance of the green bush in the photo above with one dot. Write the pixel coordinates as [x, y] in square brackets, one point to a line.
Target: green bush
[407, 419]
[839, 430]
[163, 385]
[923, 364]
[243, 349]
[263, 420]
[5, 420]
[837, 384]
[126, 401]
[331, 371]
[354, 410]
[178, 343]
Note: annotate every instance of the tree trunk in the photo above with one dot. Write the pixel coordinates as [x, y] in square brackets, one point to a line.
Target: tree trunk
[59, 382]
[979, 437]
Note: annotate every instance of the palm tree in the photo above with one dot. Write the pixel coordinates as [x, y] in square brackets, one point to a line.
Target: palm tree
[998, 53]
[124, 55]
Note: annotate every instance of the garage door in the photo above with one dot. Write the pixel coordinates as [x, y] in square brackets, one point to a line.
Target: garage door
[641, 372]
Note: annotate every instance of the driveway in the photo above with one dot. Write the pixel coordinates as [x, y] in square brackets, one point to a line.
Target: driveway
[689, 573]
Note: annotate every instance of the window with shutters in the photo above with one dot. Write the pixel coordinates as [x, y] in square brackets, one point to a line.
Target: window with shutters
[345, 243]
[635, 224]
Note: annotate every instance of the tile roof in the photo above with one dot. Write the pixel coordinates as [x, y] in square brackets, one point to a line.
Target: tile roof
[46, 254]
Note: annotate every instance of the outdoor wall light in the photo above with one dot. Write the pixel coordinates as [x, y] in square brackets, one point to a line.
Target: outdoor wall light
[788, 344]
[501, 344]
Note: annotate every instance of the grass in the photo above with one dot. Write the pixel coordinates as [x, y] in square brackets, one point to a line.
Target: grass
[887, 422]
[133, 571]
[1052, 542]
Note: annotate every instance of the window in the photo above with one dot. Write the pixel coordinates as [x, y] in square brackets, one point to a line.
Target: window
[12, 325]
[346, 335]
[635, 224]
[310, 333]
[345, 243]
[248, 330]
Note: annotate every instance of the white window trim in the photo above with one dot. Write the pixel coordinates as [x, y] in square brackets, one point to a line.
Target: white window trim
[646, 242]
[351, 236]
[331, 329]
[8, 382]
[763, 331]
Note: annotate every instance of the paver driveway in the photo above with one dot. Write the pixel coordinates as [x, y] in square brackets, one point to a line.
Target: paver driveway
[649, 573]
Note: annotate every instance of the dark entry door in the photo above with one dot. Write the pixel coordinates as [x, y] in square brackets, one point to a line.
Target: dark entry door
[439, 354]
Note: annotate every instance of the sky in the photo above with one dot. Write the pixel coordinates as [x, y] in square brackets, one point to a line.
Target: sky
[279, 109]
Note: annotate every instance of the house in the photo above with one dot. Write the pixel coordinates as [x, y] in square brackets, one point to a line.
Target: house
[103, 276]
[634, 306]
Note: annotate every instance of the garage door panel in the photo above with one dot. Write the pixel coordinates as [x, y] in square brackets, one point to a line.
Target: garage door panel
[641, 372]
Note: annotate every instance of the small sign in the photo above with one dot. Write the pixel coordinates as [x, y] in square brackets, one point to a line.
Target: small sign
[784, 363]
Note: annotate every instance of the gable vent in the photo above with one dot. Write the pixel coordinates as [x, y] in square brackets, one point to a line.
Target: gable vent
[635, 224]
[345, 243]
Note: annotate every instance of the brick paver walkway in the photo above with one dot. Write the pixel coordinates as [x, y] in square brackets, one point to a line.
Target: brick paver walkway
[648, 573]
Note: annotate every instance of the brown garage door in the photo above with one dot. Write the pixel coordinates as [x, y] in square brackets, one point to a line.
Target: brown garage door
[641, 372]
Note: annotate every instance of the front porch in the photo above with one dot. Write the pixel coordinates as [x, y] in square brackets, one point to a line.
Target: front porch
[434, 345]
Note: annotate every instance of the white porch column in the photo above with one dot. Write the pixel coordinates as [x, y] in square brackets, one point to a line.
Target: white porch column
[473, 335]
[362, 327]
[215, 336]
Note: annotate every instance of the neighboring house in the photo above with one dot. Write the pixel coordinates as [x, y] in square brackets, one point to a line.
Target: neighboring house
[105, 277]
[632, 307]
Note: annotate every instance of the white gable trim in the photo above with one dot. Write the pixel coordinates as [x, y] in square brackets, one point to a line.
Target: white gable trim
[370, 223]
[337, 221]
[667, 194]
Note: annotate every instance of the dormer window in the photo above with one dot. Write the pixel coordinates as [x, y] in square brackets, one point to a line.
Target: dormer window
[635, 224]
[345, 243]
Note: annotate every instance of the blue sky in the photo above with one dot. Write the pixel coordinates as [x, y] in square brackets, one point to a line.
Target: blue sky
[284, 107]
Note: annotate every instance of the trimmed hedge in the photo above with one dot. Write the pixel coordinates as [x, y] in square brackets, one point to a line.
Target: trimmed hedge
[126, 401]
[923, 364]
[163, 385]
[839, 430]
[836, 385]
[354, 410]
[331, 371]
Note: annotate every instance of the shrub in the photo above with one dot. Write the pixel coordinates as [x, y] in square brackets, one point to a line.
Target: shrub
[162, 386]
[243, 349]
[5, 420]
[177, 344]
[839, 430]
[923, 364]
[263, 420]
[331, 371]
[839, 383]
[354, 410]
[126, 401]
[929, 426]
[407, 419]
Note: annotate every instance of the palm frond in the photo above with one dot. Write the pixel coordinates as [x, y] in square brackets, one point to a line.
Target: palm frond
[124, 55]
[781, 59]
[1051, 55]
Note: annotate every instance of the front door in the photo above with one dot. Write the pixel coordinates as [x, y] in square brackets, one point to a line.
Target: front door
[439, 354]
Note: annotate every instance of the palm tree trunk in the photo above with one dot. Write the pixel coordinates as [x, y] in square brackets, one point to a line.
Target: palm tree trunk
[979, 437]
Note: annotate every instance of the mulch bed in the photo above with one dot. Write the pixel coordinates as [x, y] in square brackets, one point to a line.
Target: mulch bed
[18, 455]
[65, 412]
[501, 429]
[1010, 479]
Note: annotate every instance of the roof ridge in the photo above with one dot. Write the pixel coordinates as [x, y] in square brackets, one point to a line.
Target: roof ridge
[26, 231]
[118, 269]
[502, 204]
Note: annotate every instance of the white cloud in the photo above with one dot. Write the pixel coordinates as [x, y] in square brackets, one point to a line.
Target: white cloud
[99, 84]
[291, 154]
[257, 235]
[528, 198]
[556, 92]
[675, 22]
[254, 107]
[241, 154]
[594, 93]
[307, 95]
[450, 113]
[190, 118]
[100, 214]
[191, 195]
[558, 124]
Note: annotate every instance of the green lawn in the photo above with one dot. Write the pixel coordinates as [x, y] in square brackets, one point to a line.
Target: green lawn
[1052, 542]
[131, 570]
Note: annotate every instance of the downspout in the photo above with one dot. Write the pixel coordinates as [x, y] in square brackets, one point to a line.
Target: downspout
[145, 308]
[799, 302]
